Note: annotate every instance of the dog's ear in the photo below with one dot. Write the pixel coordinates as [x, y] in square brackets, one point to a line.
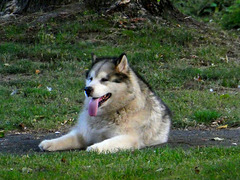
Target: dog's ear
[94, 58]
[122, 64]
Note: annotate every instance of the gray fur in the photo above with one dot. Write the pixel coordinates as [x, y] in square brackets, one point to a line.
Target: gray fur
[132, 118]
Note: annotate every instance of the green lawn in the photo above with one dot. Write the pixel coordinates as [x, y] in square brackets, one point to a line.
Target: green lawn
[195, 71]
[152, 163]
[181, 64]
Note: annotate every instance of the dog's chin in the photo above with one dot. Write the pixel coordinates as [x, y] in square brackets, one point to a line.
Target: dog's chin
[103, 110]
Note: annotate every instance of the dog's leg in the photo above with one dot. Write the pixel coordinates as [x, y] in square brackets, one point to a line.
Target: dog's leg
[121, 142]
[72, 140]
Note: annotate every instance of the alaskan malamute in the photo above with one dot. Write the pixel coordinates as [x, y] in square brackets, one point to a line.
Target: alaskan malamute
[120, 112]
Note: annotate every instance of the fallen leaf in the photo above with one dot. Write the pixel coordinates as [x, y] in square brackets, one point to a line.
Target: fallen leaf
[158, 55]
[49, 89]
[37, 71]
[39, 86]
[197, 171]
[63, 13]
[222, 127]
[14, 92]
[39, 117]
[22, 126]
[159, 170]
[64, 122]
[227, 60]
[217, 139]
[6, 64]
[214, 124]
[67, 121]
[25, 156]
[66, 99]
[194, 56]
[63, 160]
[135, 20]
[198, 78]
[122, 2]
[26, 170]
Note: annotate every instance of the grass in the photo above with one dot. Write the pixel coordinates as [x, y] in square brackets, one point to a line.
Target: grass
[152, 163]
[42, 71]
[61, 52]
[34, 98]
[206, 116]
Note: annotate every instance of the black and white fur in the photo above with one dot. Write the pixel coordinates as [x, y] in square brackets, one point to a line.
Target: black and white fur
[130, 117]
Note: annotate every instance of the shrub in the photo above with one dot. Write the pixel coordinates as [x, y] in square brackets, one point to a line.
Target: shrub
[231, 19]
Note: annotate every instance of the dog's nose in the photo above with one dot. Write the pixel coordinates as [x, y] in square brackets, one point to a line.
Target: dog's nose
[88, 90]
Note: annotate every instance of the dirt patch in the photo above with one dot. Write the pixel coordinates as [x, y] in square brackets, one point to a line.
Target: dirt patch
[204, 138]
[25, 143]
[14, 77]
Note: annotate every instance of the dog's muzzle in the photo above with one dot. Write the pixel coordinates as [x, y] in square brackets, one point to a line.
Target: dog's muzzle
[88, 90]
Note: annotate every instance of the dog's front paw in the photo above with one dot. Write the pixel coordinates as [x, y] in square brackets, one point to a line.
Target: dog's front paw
[47, 145]
[99, 148]
[94, 148]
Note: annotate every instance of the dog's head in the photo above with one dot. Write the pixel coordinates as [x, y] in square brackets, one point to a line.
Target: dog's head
[108, 85]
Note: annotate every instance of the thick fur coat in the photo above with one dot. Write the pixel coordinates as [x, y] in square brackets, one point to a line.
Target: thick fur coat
[120, 112]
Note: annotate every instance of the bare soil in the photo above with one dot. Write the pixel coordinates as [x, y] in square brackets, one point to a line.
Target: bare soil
[25, 143]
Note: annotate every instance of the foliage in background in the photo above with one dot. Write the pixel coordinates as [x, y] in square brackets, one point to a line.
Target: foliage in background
[231, 19]
[227, 12]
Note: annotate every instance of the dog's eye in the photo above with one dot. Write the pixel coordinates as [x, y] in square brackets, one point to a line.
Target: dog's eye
[116, 81]
[90, 79]
[104, 79]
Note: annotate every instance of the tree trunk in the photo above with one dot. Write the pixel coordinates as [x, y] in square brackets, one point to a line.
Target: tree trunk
[158, 8]
[131, 8]
[135, 7]
[8, 7]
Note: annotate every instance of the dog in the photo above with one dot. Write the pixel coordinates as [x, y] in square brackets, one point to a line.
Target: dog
[120, 112]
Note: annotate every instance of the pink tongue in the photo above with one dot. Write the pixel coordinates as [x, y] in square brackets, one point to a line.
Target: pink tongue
[93, 107]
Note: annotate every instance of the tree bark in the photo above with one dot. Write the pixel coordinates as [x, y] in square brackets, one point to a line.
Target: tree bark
[131, 8]
[23, 6]
[141, 7]
[158, 8]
